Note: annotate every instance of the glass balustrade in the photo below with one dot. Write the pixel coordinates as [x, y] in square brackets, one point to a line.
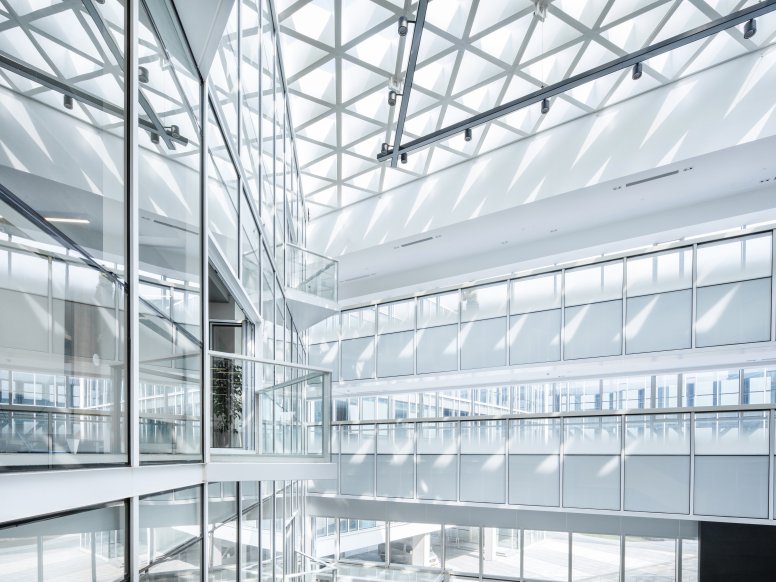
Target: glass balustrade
[311, 273]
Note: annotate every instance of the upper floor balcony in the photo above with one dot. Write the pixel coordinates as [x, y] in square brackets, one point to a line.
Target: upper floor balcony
[311, 285]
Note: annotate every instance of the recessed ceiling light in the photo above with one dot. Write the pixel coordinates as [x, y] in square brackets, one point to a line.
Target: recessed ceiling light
[66, 220]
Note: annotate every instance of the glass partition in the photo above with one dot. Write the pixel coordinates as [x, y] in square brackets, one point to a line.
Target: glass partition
[311, 273]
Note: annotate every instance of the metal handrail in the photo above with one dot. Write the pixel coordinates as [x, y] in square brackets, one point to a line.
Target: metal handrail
[305, 250]
[226, 355]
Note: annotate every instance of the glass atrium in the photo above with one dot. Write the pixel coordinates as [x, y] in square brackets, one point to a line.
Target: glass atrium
[387, 290]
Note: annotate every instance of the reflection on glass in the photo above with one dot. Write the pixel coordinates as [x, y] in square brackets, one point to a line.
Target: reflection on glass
[87, 545]
[222, 531]
[362, 540]
[170, 342]
[595, 557]
[545, 555]
[62, 246]
[462, 549]
[416, 544]
[651, 559]
[171, 535]
[500, 552]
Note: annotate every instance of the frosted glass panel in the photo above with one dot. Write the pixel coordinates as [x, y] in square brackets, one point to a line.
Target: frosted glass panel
[437, 349]
[484, 302]
[483, 344]
[595, 283]
[395, 354]
[437, 477]
[657, 483]
[546, 555]
[483, 478]
[538, 293]
[659, 322]
[397, 316]
[664, 434]
[591, 482]
[593, 330]
[486, 437]
[440, 309]
[325, 356]
[659, 273]
[534, 480]
[731, 486]
[325, 331]
[437, 437]
[534, 337]
[539, 436]
[597, 435]
[358, 358]
[734, 260]
[357, 474]
[731, 433]
[396, 476]
[733, 313]
[358, 322]
[357, 439]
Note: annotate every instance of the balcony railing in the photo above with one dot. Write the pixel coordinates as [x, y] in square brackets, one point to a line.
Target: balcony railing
[311, 272]
[268, 408]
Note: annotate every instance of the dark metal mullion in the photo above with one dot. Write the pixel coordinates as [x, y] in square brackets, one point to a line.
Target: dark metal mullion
[667, 45]
[417, 32]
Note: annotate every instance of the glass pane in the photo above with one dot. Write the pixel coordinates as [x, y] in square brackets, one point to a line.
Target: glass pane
[660, 272]
[484, 302]
[500, 552]
[222, 531]
[416, 544]
[601, 282]
[363, 540]
[595, 557]
[441, 309]
[358, 323]
[545, 555]
[734, 260]
[462, 549]
[398, 316]
[651, 559]
[537, 293]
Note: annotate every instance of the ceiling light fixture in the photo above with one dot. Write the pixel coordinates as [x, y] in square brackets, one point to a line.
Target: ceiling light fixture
[750, 28]
[66, 220]
[403, 158]
[637, 72]
[392, 95]
[545, 106]
[142, 74]
[467, 134]
[68, 101]
[404, 25]
[384, 148]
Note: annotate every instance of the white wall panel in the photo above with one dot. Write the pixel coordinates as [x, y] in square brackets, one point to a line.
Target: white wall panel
[591, 481]
[534, 337]
[358, 358]
[729, 486]
[483, 344]
[733, 313]
[659, 322]
[326, 356]
[657, 483]
[483, 478]
[534, 480]
[437, 477]
[593, 330]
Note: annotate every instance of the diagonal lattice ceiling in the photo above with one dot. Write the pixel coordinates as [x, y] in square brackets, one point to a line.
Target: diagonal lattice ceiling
[341, 56]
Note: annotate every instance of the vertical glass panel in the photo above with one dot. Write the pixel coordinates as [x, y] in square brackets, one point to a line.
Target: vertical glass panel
[324, 537]
[716, 388]
[500, 552]
[397, 316]
[733, 313]
[222, 194]
[441, 309]
[324, 331]
[490, 401]
[536, 398]
[250, 74]
[545, 555]
[484, 344]
[416, 544]
[395, 354]
[437, 349]
[657, 434]
[484, 302]
[364, 541]
[595, 557]
[86, 545]
[483, 437]
[734, 260]
[437, 437]
[62, 304]
[267, 539]
[223, 75]
[455, 402]
[538, 293]
[659, 272]
[667, 391]
[170, 532]
[222, 531]
[596, 435]
[250, 269]
[531, 436]
[250, 491]
[170, 197]
[690, 560]
[659, 322]
[759, 386]
[358, 323]
[731, 433]
[462, 549]
[593, 330]
[650, 559]
[600, 282]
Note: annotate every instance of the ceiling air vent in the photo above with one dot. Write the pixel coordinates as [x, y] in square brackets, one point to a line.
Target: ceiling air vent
[652, 178]
[357, 277]
[415, 242]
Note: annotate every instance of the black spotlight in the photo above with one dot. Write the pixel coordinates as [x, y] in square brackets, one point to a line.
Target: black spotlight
[638, 70]
[142, 74]
[404, 158]
[154, 137]
[68, 101]
[545, 106]
[403, 25]
[750, 28]
[173, 131]
[467, 134]
[384, 148]
[392, 97]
